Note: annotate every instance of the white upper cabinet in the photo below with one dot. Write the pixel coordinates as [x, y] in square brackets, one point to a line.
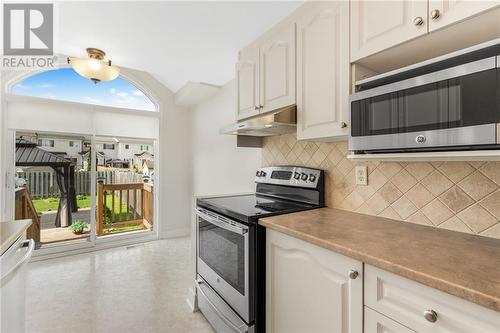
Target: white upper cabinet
[247, 83]
[445, 12]
[322, 70]
[277, 64]
[309, 288]
[265, 74]
[378, 25]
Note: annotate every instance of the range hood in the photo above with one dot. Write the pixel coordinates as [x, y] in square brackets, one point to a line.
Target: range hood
[280, 121]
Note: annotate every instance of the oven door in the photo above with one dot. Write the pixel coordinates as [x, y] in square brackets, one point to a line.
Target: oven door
[459, 106]
[223, 259]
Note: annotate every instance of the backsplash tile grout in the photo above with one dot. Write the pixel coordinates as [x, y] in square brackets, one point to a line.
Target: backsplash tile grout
[460, 196]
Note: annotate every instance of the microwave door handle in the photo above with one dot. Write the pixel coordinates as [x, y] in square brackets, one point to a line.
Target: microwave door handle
[216, 310]
[221, 224]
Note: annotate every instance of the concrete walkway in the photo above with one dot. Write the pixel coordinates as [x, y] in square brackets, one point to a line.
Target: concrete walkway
[48, 218]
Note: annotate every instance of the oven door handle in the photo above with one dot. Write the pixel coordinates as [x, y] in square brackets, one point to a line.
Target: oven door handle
[220, 223]
[219, 313]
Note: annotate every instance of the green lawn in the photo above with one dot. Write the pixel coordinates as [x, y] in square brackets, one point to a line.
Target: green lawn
[83, 201]
[51, 204]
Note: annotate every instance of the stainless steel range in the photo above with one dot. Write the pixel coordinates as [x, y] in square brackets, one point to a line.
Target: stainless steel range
[231, 245]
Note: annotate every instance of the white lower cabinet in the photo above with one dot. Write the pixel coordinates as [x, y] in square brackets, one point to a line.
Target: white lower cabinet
[309, 288]
[378, 323]
[424, 309]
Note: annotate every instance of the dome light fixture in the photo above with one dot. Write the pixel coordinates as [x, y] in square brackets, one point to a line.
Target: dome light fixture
[95, 68]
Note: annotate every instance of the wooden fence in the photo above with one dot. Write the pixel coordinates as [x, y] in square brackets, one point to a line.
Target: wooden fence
[42, 184]
[120, 205]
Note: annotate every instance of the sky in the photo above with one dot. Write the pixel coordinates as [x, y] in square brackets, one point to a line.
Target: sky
[65, 84]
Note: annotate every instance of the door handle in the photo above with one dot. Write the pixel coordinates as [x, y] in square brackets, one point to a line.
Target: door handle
[214, 308]
[30, 244]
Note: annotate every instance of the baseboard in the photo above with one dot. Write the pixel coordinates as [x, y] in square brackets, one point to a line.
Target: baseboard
[191, 300]
[175, 233]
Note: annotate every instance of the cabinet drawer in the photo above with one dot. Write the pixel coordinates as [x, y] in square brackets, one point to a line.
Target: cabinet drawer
[405, 301]
[378, 323]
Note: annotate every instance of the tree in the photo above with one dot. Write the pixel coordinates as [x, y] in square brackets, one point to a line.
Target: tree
[89, 159]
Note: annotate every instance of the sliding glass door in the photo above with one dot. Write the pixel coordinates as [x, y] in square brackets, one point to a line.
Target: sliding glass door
[53, 187]
[125, 170]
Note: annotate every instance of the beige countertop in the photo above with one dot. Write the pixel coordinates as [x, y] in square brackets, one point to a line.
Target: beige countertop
[10, 232]
[467, 266]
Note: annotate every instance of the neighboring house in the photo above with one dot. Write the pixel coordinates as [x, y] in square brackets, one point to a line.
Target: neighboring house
[113, 153]
[108, 148]
[148, 168]
[63, 146]
[100, 158]
[140, 158]
[125, 153]
[130, 150]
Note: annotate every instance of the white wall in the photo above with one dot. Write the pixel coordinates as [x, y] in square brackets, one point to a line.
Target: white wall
[175, 170]
[218, 166]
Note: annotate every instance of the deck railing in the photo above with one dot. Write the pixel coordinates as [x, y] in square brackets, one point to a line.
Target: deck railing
[120, 205]
[26, 210]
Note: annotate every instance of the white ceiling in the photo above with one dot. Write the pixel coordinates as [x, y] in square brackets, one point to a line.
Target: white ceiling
[175, 41]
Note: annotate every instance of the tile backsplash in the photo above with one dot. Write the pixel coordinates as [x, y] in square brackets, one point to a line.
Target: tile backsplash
[461, 196]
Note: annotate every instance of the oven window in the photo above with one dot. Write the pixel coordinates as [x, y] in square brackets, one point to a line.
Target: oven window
[224, 252]
[463, 101]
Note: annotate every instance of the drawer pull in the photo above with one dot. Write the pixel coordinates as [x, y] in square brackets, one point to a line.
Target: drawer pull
[353, 274]
[418, 21]
[431, 316]
[435, 14]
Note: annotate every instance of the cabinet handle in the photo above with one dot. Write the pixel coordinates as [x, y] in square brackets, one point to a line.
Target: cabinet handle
[353, 274]
[343, 125]
[430, 315]
[256, 108]
[435, 14]
[261, 106]
[418, 21]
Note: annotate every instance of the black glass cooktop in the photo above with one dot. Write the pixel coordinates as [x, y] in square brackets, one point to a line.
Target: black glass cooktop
[249, 208]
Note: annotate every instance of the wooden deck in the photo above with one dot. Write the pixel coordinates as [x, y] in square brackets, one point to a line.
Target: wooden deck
[133, 208]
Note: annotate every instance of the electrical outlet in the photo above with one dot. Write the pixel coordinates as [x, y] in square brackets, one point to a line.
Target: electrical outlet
[361, 172]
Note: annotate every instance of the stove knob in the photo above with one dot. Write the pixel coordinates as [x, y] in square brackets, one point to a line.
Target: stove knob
[263, 174]
[296, 175]
[304, 176]
[257, 174]
[312, 178]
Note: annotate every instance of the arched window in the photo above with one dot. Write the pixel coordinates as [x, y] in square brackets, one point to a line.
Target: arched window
[66, 85]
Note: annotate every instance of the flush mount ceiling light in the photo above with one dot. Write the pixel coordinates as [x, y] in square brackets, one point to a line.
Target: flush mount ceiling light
[94, 67]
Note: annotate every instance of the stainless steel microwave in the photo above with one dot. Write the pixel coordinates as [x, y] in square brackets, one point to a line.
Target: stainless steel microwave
[451, 103]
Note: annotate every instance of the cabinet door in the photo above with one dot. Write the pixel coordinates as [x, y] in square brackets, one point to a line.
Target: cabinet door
[247, 83]
[445, 12]
[375, 322]
[378, 25]
[308, 288]
[322, 70]
[277, 61]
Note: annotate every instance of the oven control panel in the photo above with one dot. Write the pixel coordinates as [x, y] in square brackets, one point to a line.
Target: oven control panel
[289, 175]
